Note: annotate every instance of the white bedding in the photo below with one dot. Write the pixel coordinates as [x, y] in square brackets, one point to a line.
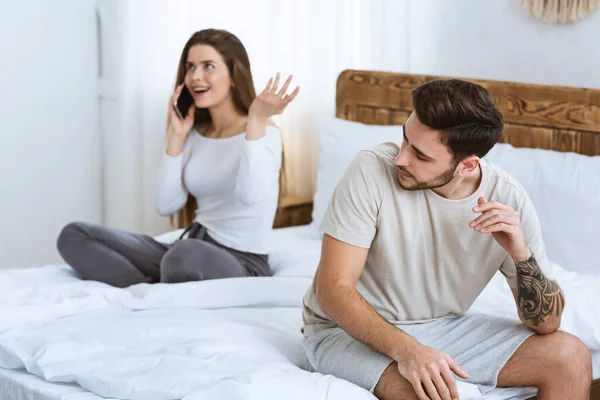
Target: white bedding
[226, 339]
[21, 385]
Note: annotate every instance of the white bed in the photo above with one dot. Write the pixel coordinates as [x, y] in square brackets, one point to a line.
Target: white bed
[240, 338]
[21, 385]
[227, 339]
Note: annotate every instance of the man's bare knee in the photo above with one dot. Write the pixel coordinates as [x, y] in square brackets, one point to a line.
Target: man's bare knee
[572, 356]
[565, 361]
[393, 386]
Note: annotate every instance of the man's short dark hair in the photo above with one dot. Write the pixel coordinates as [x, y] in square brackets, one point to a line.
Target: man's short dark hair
[464, 113]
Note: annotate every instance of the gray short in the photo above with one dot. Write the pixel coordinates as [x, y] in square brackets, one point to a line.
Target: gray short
[480, 344]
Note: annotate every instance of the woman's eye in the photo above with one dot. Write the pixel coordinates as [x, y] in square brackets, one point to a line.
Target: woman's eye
[210, 66]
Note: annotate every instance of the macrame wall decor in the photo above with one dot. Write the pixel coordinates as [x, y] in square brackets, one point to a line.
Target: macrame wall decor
[560, 11]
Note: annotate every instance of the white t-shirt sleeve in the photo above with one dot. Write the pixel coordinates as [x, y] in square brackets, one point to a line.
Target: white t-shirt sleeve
[351, 215]
[533, 236]
[259, 167]
[170, 193]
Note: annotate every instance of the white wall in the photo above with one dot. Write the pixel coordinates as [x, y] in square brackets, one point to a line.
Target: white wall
[498, 39]
[49, 171]
[120, 119]
[54, 168]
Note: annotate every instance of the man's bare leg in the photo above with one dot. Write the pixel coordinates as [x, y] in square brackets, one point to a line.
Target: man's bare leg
[558, 364]
[393, 386]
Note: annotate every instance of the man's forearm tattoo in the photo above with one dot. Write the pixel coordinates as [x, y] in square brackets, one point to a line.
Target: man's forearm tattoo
[538, 296]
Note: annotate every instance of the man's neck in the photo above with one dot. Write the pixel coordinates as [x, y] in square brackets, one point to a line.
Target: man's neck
[461, 188]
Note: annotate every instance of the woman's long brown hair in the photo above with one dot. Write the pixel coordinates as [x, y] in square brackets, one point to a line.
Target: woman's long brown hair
[233, 52]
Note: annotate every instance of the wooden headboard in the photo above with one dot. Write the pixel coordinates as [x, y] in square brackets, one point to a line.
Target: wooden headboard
[538, 116]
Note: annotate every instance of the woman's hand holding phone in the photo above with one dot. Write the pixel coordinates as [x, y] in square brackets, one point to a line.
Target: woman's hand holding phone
[178, 128]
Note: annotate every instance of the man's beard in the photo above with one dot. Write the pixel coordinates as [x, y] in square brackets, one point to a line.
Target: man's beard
[441, 180]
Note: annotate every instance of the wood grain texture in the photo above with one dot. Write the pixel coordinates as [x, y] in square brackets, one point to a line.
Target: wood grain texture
[595, 392]
[539, 116]
[528, 136]
[399, 117]
[293, 211]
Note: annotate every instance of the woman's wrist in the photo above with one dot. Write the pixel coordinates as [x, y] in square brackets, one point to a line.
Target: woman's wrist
[175, 145]
[257, 119]
[255, 127]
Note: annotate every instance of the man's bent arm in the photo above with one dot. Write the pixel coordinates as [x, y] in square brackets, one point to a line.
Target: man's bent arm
[340, 267]
[539, 300]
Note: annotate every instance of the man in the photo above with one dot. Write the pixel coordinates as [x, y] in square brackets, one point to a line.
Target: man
[412, 235]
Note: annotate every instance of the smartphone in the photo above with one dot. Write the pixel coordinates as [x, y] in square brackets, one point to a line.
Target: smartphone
[183, 102]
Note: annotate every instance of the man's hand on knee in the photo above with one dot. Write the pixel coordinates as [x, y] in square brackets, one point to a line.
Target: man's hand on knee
[430, 372]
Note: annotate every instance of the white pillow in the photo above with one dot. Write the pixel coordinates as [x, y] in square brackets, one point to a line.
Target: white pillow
[565, 190]
[339, 141]
[295, 252]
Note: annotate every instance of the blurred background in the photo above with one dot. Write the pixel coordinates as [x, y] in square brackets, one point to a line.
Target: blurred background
[84, 87]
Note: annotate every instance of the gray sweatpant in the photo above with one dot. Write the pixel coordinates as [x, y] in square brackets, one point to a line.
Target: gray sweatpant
[121, 259]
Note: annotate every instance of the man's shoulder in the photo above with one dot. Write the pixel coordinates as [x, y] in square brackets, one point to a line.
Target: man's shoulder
[504, 184]
[375, 163]
[384, 151]
[382, 155]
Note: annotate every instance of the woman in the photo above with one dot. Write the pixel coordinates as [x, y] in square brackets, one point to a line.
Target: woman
[225, 155]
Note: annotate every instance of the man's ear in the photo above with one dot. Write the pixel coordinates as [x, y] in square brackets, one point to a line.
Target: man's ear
[468, 166]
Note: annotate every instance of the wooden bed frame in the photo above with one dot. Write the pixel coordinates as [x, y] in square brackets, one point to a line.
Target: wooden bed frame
[537, 116]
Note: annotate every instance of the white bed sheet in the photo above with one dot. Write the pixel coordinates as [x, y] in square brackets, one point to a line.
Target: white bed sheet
[21, 385]
[81, 303]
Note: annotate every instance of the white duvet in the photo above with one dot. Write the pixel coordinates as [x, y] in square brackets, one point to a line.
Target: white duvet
[224, 339]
